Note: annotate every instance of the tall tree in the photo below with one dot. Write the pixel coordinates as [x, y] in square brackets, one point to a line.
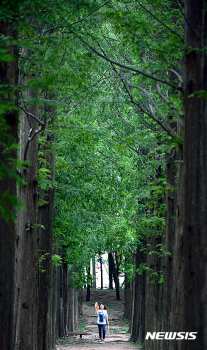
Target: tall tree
[115, 275]
[45, 234]
[8, 175]
[195, 172]
[110, 273]
[27, 228]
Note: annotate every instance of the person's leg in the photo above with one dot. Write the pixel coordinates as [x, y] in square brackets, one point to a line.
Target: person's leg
[104, 331]
[99, 328]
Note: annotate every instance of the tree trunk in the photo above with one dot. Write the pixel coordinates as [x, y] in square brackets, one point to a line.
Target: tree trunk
[195, 175]
[57, 298]
[110, 274]
[71, 314]
[54, 305]
[169, 241]
[65, 296]
[80, 302]
[138, 323]
[8, 75]
[76, 309]
[61, 304]
[172, 265]
[153, 295]
[101, 267]
[127, 295]
[94, 273]
[27, 233]
[175, 319]
[88, 285]
[115, 275]
[45, 253]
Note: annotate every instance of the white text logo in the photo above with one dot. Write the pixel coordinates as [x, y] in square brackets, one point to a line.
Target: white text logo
[171, 335]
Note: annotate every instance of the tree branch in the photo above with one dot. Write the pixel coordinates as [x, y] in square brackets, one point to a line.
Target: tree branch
[192, 30]
[32, 115]
[123, 66]
[165, 127]
[80, 20]
[178, 75]
[180, 121]
[138, 150]
[29, 140]
[111, 160]
[151, 14]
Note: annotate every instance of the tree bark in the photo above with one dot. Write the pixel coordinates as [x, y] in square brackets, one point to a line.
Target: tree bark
[55, 296]
[80, 302]
[8, 75]
[115, 275]
[195, 175]
[71, 313]
[94, 273]
[61, 302]
[138, 322]
[88, 285]
[175, 319]
[27, 233]
[45, 248]
[153, 293]
[101, 267]
[127, 294]
[110, 274]
[65, 296]
[168, 241]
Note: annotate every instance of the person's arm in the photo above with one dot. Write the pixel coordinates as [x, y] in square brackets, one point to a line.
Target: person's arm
[97, 308]
[107, 319]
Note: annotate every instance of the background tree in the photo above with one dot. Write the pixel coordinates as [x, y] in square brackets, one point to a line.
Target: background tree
[8, 164]
[195, 169]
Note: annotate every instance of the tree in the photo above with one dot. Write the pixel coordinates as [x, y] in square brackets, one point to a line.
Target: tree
[8, 163]
[27, 228]
[115, 275]
[195, 172]
[46, 182]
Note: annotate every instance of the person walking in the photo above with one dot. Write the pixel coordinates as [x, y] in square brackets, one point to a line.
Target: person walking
[102, 319]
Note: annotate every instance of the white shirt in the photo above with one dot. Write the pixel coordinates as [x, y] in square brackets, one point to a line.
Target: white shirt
[102, 314]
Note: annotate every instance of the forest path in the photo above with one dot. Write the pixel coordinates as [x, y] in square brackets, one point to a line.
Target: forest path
[116, 339]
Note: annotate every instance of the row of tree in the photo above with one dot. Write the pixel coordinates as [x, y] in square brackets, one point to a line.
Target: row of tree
[106, 163]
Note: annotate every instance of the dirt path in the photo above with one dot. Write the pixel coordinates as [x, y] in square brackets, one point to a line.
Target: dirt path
[117, 339]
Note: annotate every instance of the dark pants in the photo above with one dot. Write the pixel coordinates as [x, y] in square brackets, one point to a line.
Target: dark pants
[104, 328]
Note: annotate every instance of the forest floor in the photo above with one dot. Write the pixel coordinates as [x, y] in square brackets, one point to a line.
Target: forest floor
[118, 338]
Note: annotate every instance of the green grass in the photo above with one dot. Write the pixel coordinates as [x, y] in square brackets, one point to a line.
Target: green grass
[126, 330]
[81, 325]
[114, 331]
